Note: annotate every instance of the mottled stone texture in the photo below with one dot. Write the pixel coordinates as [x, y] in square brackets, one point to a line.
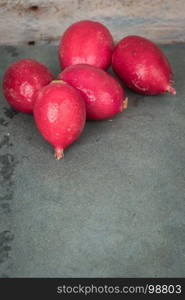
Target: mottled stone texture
[43, 21]
[114, 206]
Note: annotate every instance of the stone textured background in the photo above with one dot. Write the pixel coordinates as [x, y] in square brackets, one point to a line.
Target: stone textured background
[44, 21]
[115, 205]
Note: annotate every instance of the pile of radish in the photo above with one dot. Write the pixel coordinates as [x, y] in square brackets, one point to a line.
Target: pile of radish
[84, 90]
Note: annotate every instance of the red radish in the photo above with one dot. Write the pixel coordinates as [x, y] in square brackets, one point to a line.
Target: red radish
[104, 96]
[21, 82]
[142, 66]
[86, 42]
[59, 113]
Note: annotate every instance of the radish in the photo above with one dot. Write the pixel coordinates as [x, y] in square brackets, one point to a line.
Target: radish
[86, 42]
[59, 113]
[21, 82]
[103, 95]
[142, 66]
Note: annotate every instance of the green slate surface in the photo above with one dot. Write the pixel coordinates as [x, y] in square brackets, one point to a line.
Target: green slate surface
[114, 206]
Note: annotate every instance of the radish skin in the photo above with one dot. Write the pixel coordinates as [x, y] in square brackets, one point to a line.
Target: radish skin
[59, 113]
[21, 82]
[142, 66]
[86, 42]
[103, 95]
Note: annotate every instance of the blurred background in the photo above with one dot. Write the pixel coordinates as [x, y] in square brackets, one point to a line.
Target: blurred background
[43, 21]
